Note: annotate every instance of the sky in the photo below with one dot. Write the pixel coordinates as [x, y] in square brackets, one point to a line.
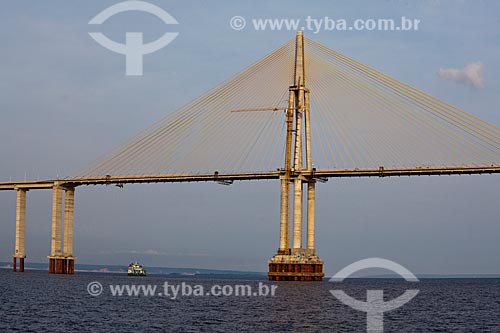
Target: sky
[64, 100]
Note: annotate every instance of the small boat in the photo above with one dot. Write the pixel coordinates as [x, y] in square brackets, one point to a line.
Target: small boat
[134, 269]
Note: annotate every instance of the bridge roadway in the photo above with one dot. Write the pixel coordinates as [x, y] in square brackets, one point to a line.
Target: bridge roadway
[229, 178]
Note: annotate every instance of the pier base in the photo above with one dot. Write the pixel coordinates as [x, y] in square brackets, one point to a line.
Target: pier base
[21, 264]
[61, 265]
[296, 265]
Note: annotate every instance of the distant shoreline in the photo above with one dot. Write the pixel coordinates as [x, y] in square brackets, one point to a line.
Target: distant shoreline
[122, 269]
[187, 272]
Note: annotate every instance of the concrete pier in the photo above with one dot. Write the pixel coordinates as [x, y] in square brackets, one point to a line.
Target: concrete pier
[19, 252]
[284, 217]
[69, 209]
[61, 260]
[297, 214]
[55, 245]
[310, 214]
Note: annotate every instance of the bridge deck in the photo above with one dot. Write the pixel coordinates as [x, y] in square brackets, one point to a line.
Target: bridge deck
[337, 173]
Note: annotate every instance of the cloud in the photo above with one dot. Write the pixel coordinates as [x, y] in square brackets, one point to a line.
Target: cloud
[471, 74]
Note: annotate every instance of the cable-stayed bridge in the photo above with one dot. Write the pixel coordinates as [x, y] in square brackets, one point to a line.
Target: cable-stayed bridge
[301, 114]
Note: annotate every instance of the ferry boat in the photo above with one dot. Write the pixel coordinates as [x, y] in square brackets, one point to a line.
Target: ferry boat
[134, 269]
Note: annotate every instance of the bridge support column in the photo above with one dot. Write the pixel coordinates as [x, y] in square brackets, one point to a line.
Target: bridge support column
[69, 209]
[284, 217]
[299, 264]
[19, 252]
[311, 186]
[297, 214]
[55, 244]
[62, 261]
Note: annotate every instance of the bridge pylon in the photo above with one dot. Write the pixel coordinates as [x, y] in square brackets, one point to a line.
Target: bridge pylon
[20, 229]
[297, 263]
[61, 259]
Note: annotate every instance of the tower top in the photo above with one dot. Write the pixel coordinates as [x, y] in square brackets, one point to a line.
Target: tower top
[300, 77]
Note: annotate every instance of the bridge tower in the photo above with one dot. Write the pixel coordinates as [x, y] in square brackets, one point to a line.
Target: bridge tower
[61, 259]
[297, 263]
[20, 229]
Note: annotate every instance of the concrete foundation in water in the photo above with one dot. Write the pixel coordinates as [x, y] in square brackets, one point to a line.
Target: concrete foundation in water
[21, 264]
[61, 265]
[298, 265]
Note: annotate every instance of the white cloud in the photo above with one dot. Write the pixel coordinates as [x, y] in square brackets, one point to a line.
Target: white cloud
[471, 74]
